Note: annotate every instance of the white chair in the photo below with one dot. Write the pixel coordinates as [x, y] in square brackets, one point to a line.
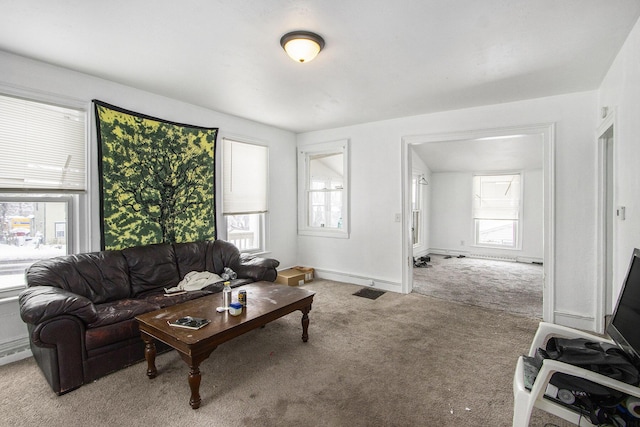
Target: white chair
[524, 400]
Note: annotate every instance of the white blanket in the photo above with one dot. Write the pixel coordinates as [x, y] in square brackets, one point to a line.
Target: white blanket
[196, 280]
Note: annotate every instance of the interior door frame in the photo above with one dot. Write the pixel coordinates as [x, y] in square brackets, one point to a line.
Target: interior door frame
[547, 131]
[604, 293]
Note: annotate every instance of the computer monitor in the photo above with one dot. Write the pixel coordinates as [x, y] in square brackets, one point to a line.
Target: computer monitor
[624, 327]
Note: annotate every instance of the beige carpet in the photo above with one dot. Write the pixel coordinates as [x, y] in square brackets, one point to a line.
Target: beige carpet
[399, 360]
[513, 287]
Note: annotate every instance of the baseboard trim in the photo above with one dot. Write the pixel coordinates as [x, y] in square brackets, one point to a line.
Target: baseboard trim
[574, 320]
[480, 255]
[436, 251]
[356, 279]
[529, 260]
[13, 351]
[423, 252]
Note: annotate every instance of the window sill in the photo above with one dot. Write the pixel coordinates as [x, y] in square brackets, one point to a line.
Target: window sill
[331, 233]
[258, 253]
[10, 291]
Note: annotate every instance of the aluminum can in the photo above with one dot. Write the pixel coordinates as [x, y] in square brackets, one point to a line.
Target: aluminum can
[242, 297]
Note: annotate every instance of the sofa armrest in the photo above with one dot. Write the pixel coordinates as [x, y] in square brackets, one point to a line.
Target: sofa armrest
[257, 268]
[41, 303]
[57, 345]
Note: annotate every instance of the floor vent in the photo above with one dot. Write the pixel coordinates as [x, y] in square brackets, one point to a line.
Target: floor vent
[369, 293]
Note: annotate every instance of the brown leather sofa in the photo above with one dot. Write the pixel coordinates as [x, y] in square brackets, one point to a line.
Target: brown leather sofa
[80, 309]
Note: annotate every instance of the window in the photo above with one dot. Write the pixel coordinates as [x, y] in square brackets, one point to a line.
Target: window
[497, 210]
[42, 174]
[43, 146]
[323, 190]
[31, 229]
[245, 172]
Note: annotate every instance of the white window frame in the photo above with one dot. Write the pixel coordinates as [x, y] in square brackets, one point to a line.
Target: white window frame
[304, 154]
[262, 234]
[517, 232]
[69, 200]
[263, 216]
[79, 203]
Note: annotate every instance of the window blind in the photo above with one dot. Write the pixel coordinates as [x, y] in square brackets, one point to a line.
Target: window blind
[496, 197]
[245, 178]
[42, 146]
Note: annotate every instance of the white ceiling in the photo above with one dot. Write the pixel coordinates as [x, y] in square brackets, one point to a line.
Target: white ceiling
[512, 153]
[383, 59]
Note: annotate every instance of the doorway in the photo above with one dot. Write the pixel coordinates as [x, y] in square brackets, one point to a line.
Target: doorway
[474, 142]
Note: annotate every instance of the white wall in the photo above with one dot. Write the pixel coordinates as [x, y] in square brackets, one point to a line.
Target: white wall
[620, 92]
[25, 74]
[374, 250]
[21, 75]
[451, 212]
[451, 221]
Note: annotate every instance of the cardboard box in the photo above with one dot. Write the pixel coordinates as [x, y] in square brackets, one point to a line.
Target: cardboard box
[291, 277]
[308, 273]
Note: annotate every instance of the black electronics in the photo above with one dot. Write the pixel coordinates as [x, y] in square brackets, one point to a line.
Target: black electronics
[624, 327]
[599, 404]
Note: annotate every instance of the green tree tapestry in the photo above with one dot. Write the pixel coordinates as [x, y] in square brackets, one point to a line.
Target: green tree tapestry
[157, 179]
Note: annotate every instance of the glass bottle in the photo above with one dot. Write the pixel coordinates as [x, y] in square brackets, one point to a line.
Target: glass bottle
[226, 295]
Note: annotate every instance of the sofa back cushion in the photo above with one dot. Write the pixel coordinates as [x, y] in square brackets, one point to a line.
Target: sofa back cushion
[151, 267]
[99, 276]
[221, 254]
[191, 257]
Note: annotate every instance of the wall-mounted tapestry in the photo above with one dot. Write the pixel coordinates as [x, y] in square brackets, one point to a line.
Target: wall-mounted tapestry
[157, 179]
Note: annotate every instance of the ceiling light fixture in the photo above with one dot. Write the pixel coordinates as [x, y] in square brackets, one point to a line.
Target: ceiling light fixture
[302, 46]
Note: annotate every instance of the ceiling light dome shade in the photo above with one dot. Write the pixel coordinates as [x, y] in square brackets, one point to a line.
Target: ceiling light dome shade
[302, 46]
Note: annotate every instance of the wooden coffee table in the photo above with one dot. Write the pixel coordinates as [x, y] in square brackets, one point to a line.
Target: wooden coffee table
[266, 302]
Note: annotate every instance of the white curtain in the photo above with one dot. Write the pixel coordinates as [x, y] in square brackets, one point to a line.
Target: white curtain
[42, 146]
[245, 178]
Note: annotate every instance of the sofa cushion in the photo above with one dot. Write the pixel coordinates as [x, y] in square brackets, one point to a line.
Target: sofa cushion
[190, 257]
[162, 301]
[221, 254]
[100, 337]
[97, 276]
[117, 311]
[106, 274]
[151, 267]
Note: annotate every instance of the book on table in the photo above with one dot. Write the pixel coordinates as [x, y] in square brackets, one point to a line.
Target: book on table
[189, 322]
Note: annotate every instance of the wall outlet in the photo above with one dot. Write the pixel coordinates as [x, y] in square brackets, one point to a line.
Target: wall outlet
[461, 242]
[398, 217]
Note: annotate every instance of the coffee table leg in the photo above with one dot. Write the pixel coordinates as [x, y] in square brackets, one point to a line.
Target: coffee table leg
[194, 384]
[150, 355]
[194, 375]
[305, 323]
